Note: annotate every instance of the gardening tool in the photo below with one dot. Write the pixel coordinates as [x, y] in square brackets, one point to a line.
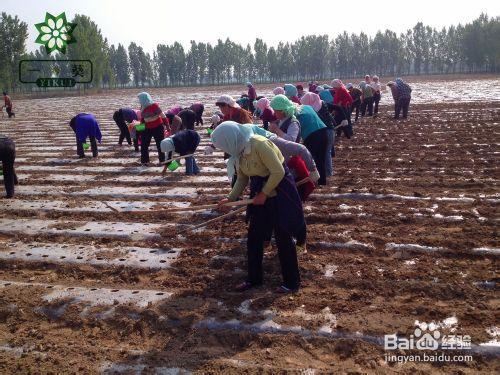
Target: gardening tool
[303, 181]
[207, 206]
[219, 218]
[110, 207]
[197, 208]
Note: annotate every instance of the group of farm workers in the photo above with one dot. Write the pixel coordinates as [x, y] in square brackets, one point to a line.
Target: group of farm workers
[283, 160]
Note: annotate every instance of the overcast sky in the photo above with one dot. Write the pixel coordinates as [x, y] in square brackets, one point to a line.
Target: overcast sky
[150, 22]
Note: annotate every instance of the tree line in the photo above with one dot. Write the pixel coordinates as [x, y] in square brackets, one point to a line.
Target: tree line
[470, 48]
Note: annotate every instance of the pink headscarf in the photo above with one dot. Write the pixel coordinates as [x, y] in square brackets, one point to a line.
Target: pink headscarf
[311, 99]
[279, 91]
[336, 83]
[138, 114]
[263, 103]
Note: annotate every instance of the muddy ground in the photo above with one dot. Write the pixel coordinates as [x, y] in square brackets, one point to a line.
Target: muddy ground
[406, 232]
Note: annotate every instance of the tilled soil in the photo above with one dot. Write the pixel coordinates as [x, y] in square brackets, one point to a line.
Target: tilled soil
[406, 231]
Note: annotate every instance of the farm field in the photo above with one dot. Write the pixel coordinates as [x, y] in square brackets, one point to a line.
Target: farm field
[405, 232]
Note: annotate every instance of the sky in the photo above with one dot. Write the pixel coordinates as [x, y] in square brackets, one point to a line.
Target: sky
[150, 22]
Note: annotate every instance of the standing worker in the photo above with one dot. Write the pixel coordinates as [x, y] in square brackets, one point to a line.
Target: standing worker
[7, 157]
[404, 97]
[377, 87]
[155, 120]
[276, 203]
[252, 95]
[8, 105]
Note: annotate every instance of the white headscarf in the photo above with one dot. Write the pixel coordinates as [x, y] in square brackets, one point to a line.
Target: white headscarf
[167, 145]
[233, 139]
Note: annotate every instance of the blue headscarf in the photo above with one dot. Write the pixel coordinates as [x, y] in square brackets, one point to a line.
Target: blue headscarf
[145, 100]
[399, 82]
[290, 90]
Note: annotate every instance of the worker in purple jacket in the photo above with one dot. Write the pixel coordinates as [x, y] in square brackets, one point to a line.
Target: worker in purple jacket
[86, 126]
[122, 117]
[198, 109]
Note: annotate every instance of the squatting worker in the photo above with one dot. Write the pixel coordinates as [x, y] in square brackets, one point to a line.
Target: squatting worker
[276, 202]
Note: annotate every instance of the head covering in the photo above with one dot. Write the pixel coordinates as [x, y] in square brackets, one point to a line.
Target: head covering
[167, 145]
[263, 103]
[145, 99]
[249, 83]
[349, 86]
[312, 99]
[278, 91]
[257, 130]
[227, 100]
[290, 90]
[215, 119]
[375, 78]
[319, 88]
[399, 81]
[362, 85]
[367, 76]
[336, 83]
[138, 113]
[327, 86]
[299, 87]
[282, 103]
[232, 138]
[188, 118]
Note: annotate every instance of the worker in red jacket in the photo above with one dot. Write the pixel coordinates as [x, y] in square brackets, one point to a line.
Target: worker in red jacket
[342, 97]
[155, 121]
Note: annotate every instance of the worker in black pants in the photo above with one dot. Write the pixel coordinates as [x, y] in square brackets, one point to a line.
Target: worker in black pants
[7, 157]
[121, 117]
[159, 134]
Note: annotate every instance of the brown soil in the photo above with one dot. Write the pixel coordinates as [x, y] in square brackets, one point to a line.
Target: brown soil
[375, 290]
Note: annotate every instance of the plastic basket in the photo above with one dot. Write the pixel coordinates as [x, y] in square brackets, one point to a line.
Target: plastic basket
[140, 127]
[86, 146]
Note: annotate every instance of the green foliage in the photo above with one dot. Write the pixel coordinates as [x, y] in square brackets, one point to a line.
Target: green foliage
[474, 47]
[13, 35]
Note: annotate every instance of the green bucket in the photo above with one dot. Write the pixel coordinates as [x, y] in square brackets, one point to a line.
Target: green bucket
[140, 128]
[210, 131]
[172, 166]
[86, 146]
